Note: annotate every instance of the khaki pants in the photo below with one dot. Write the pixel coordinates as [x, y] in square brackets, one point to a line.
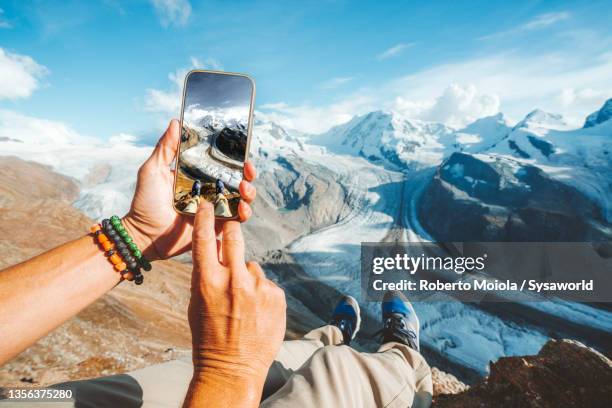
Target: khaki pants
[316, 371]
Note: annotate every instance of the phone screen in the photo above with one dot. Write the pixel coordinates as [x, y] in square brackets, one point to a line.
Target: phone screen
[215, 133]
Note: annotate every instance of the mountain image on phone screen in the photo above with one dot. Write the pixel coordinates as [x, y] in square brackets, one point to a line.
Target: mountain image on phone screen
[216, 116]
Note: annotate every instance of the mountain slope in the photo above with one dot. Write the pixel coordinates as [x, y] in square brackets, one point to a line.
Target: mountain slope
[100, 339]
[389, 139]
[600, 116]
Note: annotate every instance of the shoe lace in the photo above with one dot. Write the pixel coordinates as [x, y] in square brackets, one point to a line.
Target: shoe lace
[346, 327]
[394, 329]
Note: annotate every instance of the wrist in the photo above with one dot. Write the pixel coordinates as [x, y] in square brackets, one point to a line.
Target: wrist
[230, 374]
[141, 240]
[221, 389]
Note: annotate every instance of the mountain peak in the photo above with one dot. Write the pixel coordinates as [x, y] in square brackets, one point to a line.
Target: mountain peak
[541, 119]
[599, 116]
[486, 123]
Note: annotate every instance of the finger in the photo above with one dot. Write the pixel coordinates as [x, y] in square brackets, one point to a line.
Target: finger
[233, 245]
[219, 254]
[247, 191]
[204, 246]
[244, 211]
[249, 171]
[219, 226]
[167, 146]
[256, 270]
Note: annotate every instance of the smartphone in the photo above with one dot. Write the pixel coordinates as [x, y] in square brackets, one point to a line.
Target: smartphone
[216, 121]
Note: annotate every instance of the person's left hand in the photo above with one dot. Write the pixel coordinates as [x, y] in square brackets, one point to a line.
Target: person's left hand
[158, 230]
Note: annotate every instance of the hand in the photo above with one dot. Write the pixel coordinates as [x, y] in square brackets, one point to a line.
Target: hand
[158, 230]
[237, 317]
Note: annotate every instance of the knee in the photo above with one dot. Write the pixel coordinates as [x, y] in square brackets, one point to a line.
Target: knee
[332, 355]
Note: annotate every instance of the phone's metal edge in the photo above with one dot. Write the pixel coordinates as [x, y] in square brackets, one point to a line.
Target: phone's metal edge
[249, 130]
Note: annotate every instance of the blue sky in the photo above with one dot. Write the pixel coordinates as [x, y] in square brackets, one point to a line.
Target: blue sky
[107, 67]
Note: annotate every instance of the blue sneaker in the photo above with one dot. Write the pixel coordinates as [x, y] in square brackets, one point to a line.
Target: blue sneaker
[347, 318]
[400, 322]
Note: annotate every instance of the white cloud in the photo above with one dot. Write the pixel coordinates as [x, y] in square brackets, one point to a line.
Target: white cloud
[3, 22]
[521, 83]
[315, 119]
[573, 84]
[274, 106]
[570, 96]
[544, 20]
[37, 131]
[209, 63]
[169, 101]
[457, 106]
[394, 51]
[122, 139]
[336, 82]
[19, 75]
[537, 23]
[172, 12]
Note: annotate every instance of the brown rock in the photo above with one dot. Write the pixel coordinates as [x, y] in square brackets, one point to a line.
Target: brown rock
[445, 383]
[565, 373]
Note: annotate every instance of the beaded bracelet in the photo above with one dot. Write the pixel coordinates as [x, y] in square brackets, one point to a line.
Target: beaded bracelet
[109, 249]
[131, 245]
[120, 249]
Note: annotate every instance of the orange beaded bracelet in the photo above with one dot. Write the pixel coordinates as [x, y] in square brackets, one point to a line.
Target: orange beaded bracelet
[108, 247]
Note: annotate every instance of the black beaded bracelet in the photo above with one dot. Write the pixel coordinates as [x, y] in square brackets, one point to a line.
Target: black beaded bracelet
[131, 245]
[121, 249]
[126, 248]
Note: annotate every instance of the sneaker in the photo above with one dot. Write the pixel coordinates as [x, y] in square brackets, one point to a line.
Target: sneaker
[400, 322]
[347, 318]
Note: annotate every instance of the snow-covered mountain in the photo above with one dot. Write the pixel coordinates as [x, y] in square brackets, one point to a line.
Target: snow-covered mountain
[482, 134]
[269, 140]
[600, 116]
[390, 139]
[580, 158]
[216, 123]
[216, 119]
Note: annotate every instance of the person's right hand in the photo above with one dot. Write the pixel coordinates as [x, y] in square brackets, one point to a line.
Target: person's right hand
[237, 318]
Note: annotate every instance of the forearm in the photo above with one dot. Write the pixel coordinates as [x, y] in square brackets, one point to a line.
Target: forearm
[38, 295]
[214, 391]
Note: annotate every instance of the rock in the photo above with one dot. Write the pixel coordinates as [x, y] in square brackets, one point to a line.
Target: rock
[565, 373]
[445, 383]
[600, 116]
[293, 199]
[500, 199]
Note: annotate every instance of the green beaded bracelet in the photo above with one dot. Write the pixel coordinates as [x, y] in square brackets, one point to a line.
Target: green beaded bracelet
[129, 242]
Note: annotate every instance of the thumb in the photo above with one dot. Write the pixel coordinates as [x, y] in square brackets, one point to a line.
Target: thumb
[204, 247]
[167, 146]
